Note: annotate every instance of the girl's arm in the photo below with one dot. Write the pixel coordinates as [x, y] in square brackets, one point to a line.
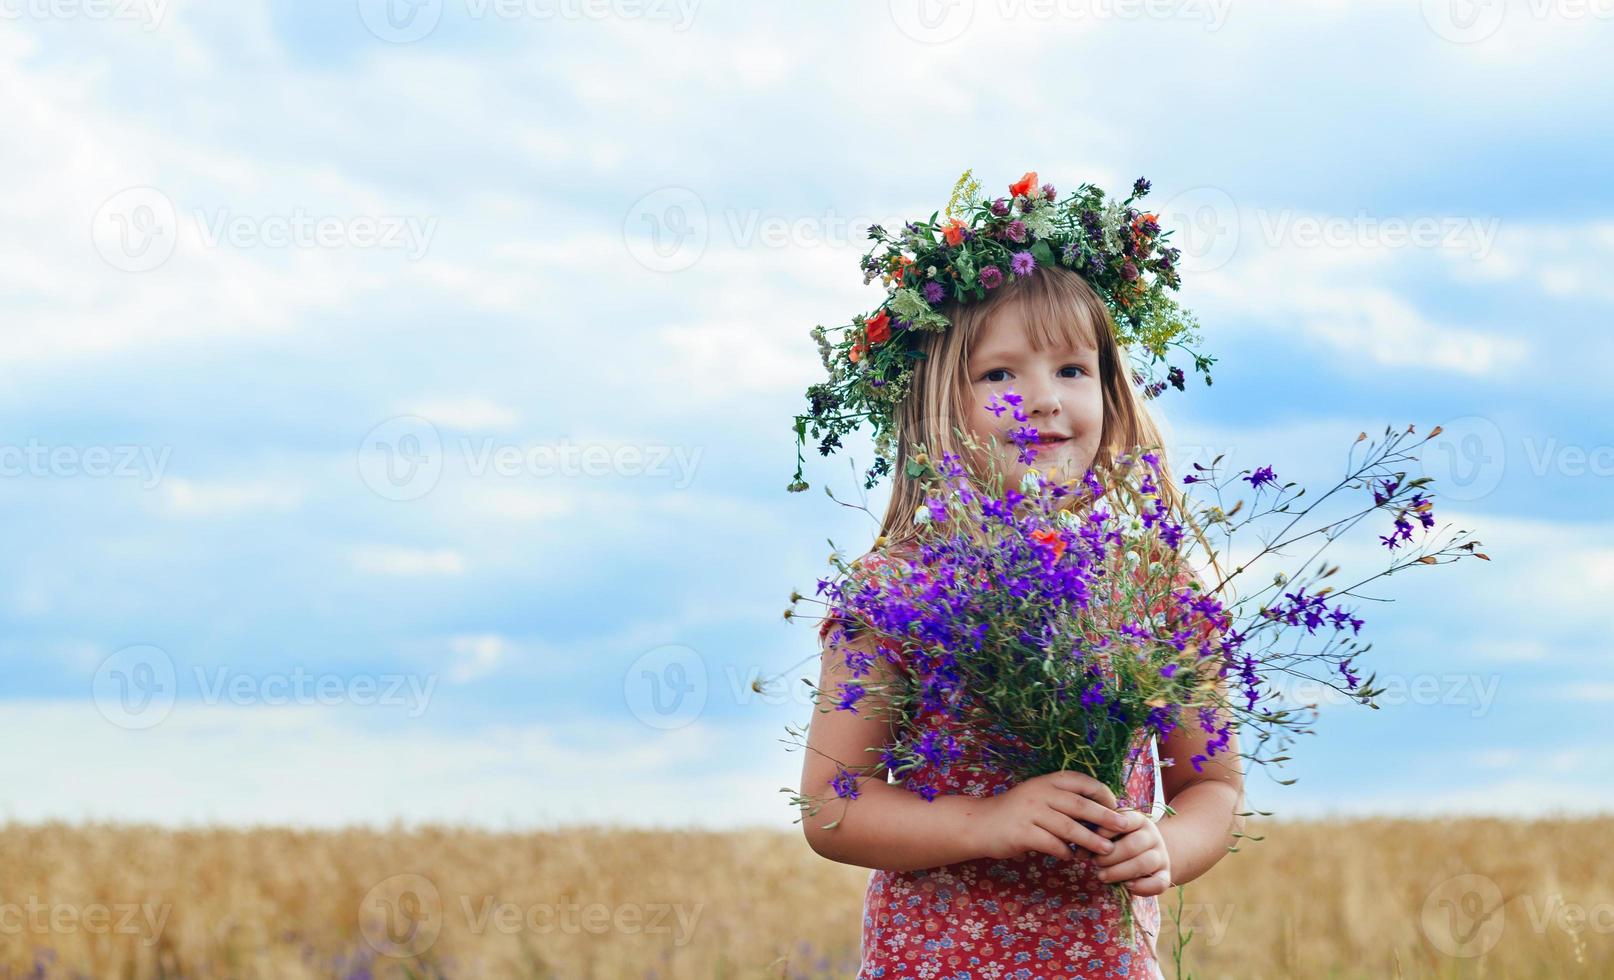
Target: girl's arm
[1206, 804]
[887, 827]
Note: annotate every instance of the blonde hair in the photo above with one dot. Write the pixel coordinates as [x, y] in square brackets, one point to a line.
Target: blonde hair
[1058, 307]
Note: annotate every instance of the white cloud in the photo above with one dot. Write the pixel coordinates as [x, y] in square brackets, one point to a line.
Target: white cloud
[476, 656]
[1561, 261]
[1602, 691]
[465, 413]
[377, 560]
[523, 504]
[214, 498]
[1333, 295]
[715, 360]
[1518, 649]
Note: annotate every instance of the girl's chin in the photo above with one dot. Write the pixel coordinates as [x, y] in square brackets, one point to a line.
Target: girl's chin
[1062, 464]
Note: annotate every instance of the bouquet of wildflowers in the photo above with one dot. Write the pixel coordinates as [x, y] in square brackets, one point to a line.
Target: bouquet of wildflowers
[1057, 620]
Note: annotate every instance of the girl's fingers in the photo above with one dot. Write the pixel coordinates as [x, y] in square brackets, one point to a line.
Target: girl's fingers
[1083, 785]
[1070, 830]
[1126, 848]
[1091, 813]
[1155, 884]
[1045, 841]
[1144, 864]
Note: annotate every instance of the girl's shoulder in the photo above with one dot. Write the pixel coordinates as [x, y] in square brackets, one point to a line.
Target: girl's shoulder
[861, 571]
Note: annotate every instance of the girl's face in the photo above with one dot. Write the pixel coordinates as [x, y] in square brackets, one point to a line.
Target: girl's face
[1063, 399]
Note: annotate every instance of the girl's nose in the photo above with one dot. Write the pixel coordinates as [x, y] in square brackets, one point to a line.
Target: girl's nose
[1040, 399]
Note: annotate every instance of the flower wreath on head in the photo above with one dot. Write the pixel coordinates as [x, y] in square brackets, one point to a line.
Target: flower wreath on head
[977, 247]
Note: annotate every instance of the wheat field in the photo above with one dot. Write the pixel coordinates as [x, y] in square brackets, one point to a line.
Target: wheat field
[1364, 898]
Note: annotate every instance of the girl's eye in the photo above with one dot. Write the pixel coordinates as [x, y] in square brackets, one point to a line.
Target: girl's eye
[988, 376]
[1077, 367]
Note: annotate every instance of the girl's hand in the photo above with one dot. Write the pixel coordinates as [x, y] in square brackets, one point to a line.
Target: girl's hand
[1139, 859]
[1049, 814]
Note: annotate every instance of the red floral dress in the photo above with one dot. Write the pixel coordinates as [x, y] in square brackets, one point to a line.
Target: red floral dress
[1034, 917]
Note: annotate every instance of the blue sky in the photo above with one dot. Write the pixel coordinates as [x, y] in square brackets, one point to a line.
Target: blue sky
[282, 284]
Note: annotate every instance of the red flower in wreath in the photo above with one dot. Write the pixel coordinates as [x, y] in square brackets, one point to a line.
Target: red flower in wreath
[878, 329]
[1025, 185]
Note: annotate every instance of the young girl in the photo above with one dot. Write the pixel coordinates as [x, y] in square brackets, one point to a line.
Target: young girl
[993, 878]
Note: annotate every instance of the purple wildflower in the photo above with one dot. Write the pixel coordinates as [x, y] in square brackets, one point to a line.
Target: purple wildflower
[934, 292]
[991, 277]
[1022, 264]
[850, 695]
[1390, 487]
[1262, 477]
